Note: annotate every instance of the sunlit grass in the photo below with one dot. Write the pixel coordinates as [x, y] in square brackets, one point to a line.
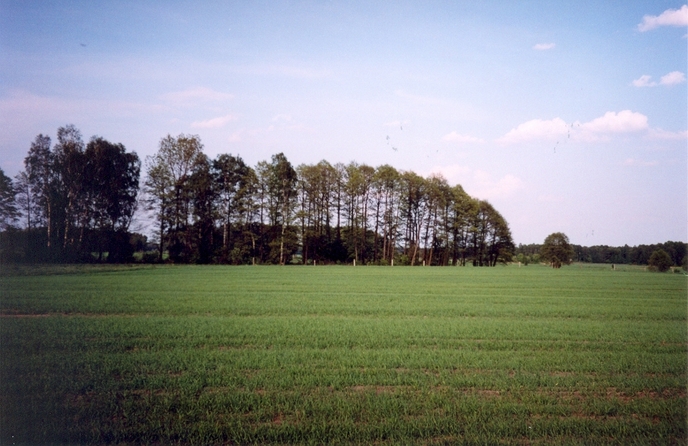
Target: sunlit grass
[341, 354]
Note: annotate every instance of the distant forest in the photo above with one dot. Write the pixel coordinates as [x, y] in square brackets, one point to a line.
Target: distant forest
[624, 255]
[75, 202]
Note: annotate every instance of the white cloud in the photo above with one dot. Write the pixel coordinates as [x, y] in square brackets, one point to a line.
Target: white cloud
[214, 123]
[535, 129]
[484, 187]
[644, 81]
[544, 46]
[610, 123]
[462, 139]
[478, 183]
[673, 78]
[199, 94]
[670, 17]
[622, 122]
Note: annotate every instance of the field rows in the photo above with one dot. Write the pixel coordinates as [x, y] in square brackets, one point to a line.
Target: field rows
[343, 355]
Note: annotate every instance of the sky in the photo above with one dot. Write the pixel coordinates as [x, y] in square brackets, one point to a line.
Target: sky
[566, 116]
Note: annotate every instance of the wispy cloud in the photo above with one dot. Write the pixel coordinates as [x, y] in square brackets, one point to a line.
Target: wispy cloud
[462, 139]
[657, 133]
[214, 123]
[550, 198]
[283, 117]
[478, 183]
[670, 17]
[644, 81]
[632, 162]
[198, 94]
[544, 46]
[291, 71]
[485, 187]
[669, 79]
[399, 124]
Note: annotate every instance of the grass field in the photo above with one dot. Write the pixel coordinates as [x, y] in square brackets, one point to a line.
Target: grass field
[236, 355]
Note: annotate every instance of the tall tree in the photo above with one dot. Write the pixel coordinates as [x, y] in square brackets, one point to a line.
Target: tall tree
[112, 184]
[167, 185]
[26, 200]
[69, 171]
[39, 184]
[204, 210]
[414, 207]
[387, 186]
[282, 189]
[230, 177]
[8, 205]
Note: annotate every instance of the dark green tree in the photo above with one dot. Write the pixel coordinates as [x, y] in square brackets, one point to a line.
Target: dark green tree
[660, 261]
[282, 187]
[111, 186]
[37, 190]
[204, 210]
[230, 182]
[557, 250]
[8, 205]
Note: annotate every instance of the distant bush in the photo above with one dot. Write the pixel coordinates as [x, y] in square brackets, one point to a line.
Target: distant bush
[660, 261]
[150, 257]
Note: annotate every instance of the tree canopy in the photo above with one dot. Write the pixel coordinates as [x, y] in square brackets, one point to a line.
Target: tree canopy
[557, 250]
[660, 261]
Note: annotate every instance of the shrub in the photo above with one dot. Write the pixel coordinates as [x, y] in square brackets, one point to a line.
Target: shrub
[660, 261]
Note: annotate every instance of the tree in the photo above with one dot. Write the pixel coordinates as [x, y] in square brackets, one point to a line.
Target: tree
[386, 184]
[27, 206]
[111, 186]
[557, 250]
[230, 177]
[660, 261]
[203, 196]
[68, 167]
[282, 188]
[36, 187]
[169, 191]
[8, 207]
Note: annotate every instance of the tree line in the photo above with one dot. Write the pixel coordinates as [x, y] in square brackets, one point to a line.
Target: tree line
[76, 202]
[623, 255]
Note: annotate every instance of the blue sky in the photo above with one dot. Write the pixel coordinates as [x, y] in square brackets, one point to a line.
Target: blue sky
[566, 116]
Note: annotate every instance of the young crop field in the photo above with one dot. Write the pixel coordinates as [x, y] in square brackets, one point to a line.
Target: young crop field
[341, 354]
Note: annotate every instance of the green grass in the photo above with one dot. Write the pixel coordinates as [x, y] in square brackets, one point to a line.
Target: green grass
[237, 355]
